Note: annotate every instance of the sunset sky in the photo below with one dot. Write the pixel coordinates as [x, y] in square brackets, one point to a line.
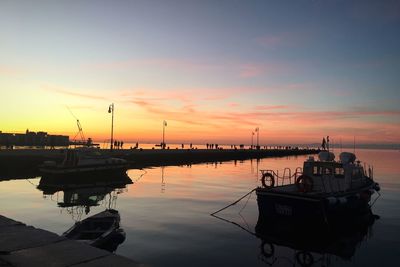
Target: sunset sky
[214, 70]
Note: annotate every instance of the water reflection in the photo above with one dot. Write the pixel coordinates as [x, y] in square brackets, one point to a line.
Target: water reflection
[79, 194]
[312, 245]
[162, 180]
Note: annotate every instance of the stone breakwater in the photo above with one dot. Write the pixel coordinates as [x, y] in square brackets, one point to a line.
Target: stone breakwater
[24, 163]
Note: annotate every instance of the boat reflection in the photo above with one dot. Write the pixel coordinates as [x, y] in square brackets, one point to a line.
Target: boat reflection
[78, 195]
[312, 245]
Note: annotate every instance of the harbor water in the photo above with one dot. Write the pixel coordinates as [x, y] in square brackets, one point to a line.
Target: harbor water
[165, 214]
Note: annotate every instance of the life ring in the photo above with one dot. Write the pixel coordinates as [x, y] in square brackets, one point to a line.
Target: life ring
[267, 252]
[304, 183]
[267, 180]
[304, 258]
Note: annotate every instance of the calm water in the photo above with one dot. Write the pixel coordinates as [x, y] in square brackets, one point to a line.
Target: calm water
[166, 214]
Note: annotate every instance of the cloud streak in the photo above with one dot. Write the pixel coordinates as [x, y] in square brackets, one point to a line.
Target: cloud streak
[195, 67]
[68, 92]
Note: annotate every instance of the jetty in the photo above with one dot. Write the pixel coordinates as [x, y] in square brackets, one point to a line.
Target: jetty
[23, 245]
[23, 163]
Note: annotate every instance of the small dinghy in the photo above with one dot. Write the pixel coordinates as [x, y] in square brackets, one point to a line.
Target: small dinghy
[101, 230]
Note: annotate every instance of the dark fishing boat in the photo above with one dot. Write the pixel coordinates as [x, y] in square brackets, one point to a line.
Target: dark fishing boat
[324, 190]
[84, 162]
[101, 230]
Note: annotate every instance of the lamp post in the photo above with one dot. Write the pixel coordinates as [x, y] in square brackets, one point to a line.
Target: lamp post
[111, 110]
[258, 133]
[252, 137]
[163, 134]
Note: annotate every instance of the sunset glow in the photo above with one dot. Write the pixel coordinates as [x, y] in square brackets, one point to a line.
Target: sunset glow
[214, 70]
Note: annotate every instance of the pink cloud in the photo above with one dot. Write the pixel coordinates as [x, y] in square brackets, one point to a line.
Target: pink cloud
[284, 39]
[242, 69]
[376, 10]
[266, 107]
[270, 40]
[10, 71]
[251, 70]
[163, 63]
[233, 104]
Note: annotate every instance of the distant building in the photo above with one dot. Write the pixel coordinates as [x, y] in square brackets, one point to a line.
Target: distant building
[33, 139]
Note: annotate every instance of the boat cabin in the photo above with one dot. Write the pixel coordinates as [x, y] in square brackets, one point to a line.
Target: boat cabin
[321, 176]
[330, 176]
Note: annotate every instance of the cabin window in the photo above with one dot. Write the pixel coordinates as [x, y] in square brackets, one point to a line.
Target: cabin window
[339, 172]
[316, 170]
[327, 171]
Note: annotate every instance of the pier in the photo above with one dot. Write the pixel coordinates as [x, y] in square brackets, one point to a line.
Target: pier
[22, 245]
[23, 163]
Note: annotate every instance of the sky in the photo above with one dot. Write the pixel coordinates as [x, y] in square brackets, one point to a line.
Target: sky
[214, 70]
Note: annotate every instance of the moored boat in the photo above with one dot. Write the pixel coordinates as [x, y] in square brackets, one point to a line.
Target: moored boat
[84, 161]
[324, 190]
[101, 230]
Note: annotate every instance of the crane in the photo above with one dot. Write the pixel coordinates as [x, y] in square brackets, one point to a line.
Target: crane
[80, 131]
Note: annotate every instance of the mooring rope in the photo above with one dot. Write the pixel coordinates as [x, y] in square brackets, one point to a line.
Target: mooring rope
[140, 176]
[379, 195]
[234, 203]
[234, 223]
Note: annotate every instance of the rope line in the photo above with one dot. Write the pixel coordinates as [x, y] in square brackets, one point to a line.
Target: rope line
[234, 203]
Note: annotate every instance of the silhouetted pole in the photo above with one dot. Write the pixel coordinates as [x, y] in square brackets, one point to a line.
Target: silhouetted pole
[252, 137]
[258, 133]
[163, 134]
[111, 110]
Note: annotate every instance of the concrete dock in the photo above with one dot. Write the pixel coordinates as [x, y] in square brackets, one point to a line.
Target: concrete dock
[23, 163]
[22, 245]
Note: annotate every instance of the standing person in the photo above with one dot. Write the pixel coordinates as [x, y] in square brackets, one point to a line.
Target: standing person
[122, 144]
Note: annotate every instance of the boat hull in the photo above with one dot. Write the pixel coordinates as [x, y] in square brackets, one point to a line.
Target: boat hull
[309, 209]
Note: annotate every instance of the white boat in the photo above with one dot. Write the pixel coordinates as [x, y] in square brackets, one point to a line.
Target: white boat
[324, 189]
[84, 161]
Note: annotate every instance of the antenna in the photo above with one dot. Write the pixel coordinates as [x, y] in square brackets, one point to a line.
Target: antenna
[341, 145]
[354, 145]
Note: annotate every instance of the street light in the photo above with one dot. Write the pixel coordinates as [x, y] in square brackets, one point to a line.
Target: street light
[258, 133]
[111, 110]
[163, 134]
[252, 137]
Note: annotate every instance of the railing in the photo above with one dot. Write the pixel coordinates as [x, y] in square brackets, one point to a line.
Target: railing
[286, 177]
